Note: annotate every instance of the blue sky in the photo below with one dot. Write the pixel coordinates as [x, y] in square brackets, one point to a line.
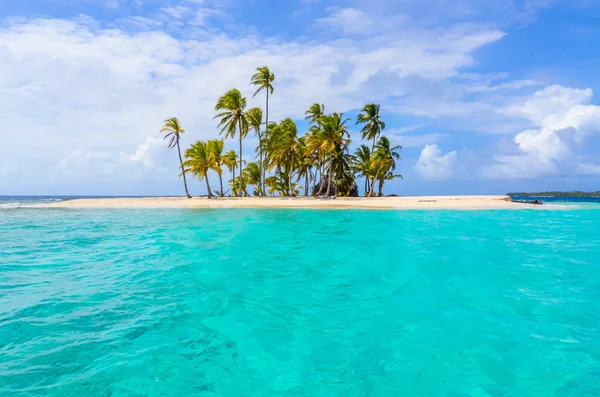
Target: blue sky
[485, 96]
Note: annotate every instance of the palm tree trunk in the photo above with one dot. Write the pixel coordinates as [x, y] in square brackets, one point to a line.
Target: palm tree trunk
[233, 191]
[320, 181]
[266, 129]
[375, 178]
[290, 176]
[329, 183]
[208, 186]
[261, 188]
[380, 188]
[372, 187]
[221, 183]
[306, 183]
[182, 172]
[241, 166]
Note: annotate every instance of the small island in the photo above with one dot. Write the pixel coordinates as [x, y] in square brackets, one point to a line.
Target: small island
[574, 193]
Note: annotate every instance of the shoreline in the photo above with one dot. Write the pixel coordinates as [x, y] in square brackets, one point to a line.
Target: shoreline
[407, 203]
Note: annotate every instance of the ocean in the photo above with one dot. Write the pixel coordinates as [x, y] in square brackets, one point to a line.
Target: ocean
[260, 302]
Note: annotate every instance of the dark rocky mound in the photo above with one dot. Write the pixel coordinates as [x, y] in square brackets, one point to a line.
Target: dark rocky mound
[334, 189]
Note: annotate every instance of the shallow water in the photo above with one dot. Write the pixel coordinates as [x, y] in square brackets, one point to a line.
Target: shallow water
[299, 303]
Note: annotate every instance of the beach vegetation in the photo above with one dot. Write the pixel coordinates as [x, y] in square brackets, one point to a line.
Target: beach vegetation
[317, 162]
[199, 160]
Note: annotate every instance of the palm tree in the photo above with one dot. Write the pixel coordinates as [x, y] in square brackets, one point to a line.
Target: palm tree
[373, 125]
[215, 148]
[198, 161]
[384, 159]
[252, 175]
[328, 140]
[236, 185]
[173, 130]
[283, 145]
[263, 80]
[314, 113]
[254, 117]
[230, 161]
[363, 165]
[281, 185]
[232, 116]
[306, 163]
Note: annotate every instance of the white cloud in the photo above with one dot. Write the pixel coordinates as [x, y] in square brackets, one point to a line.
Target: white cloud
[399, 136]
[80, 160]
[563, 119]
[151, 159]
[410, 141]
[81, 93]
[147, 153]
[347, 20]
[434, 165]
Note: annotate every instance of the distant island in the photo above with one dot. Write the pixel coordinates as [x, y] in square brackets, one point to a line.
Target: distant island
[574, 193]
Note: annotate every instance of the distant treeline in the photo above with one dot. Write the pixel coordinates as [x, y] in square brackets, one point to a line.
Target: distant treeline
[557, 194]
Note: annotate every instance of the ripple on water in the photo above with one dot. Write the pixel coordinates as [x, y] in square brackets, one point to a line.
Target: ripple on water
[298, 302]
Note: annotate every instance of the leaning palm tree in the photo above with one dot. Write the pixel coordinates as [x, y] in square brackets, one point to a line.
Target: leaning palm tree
[232, 105]
[198, 161]
[215, 148]
[373, 125]
[263, 80]
[254, 117]
[173, 130]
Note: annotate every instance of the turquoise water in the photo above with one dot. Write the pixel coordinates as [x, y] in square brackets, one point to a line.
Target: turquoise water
[299, 303]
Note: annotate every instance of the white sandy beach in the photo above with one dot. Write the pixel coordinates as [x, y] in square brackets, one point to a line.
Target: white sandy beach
[423, 202]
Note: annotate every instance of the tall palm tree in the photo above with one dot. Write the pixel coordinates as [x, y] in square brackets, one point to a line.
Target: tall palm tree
[384, 159]
[314, 113]
[215, 148]
[373, 125]
[263, 80]
[254, 117]
[198, 161]
[232, 105]
[230, 161]
[173, 131]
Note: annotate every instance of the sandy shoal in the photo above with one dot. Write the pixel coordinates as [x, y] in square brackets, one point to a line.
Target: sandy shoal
[423, 202]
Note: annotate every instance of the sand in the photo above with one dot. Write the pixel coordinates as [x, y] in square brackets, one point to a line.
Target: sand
[424, 202]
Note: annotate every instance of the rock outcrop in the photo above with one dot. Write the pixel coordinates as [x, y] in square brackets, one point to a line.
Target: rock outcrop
[320, 189]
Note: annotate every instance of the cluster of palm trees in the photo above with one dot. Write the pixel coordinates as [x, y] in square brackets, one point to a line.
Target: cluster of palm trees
[319, 159]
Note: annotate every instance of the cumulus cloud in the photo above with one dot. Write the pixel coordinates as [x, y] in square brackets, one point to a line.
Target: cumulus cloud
[433, 164]
[564, 119]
